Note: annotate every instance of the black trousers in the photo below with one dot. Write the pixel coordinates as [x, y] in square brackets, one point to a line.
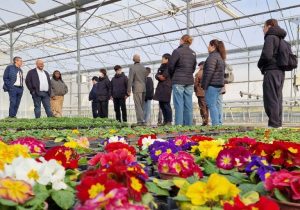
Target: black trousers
[103, 109]
[166, 111]
[272, 95]
[95, 108]
[120, 104]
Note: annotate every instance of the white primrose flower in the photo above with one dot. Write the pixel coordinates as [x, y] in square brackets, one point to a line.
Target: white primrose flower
[32, 172]
[117, 139]
[147, 141]
[25, 169]
[53, 173]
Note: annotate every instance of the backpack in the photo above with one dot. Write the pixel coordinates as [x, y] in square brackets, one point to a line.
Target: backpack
[286, 60]
[228, 76]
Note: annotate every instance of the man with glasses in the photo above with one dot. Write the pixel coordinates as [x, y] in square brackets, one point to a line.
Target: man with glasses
[13, 84]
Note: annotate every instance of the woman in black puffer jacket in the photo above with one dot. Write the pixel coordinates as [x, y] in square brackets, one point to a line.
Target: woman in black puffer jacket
[213, 79]
[164, 89]
[182, 66]
[103, 93]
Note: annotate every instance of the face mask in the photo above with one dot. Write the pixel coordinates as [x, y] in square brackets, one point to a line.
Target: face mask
[101, 74]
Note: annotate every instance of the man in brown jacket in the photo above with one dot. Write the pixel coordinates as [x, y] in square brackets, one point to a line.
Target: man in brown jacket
[201, 95]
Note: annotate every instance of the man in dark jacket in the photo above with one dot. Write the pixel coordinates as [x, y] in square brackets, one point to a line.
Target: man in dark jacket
[119, 85]
[164, 89]
[39, 84]
[92, 97]
[137, 81]
[273, 75]
[148, 97]
[103, 93]
[13, 84]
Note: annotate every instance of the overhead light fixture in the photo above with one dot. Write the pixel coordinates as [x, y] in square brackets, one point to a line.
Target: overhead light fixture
[225, 9]
[30, 1]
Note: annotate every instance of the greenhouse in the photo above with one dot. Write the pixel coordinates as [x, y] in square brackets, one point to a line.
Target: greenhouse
[149, 104]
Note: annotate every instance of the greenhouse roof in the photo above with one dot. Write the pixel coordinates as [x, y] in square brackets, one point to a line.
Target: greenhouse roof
[113, 30]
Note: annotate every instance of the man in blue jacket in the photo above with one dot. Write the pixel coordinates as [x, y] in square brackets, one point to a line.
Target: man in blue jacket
[13, 84]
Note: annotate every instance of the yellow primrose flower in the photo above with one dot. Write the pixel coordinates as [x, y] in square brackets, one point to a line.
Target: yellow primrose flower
[71, 144]
[219, 185]
[75, 131]
[210, 149]
[217, 189]
[9, 152]
[112, 131]
[197, 192]
[15, 190]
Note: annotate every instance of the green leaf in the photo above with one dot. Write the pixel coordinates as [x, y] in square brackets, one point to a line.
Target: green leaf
[193, 179]
[233, 179]
[59, 139]
[164, 184]
[147, 199]
[83, 161]
[217, 208]
[280, 196]
[250, 197]
[41, 194]
[149, 161]
[210, 168]
[63, 198]
[181, 198]
[253, 177]
[246, 188]
[260, 188]
[152, 187]
[239, 175]
[223, 171]
[7, 202]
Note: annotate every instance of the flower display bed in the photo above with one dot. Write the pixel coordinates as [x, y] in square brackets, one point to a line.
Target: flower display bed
[168, 168]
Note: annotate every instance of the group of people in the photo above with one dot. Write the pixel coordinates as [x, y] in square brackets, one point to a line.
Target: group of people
[175, 76]
[119, 89]
[43, 89]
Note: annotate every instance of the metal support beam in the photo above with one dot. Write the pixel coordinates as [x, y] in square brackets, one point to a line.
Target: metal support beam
[32, 21]
[11, 45]
[248, 87]
[78, 59]
[188, 21]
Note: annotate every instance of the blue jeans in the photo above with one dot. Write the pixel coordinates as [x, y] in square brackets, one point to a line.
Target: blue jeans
[15, 95]
[212, 95]
[44, 98]
[220, 108]
[183, 104]
[147, 111]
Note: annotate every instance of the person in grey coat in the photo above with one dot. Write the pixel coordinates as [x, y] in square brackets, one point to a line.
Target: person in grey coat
[58, 90]
[137, 82]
